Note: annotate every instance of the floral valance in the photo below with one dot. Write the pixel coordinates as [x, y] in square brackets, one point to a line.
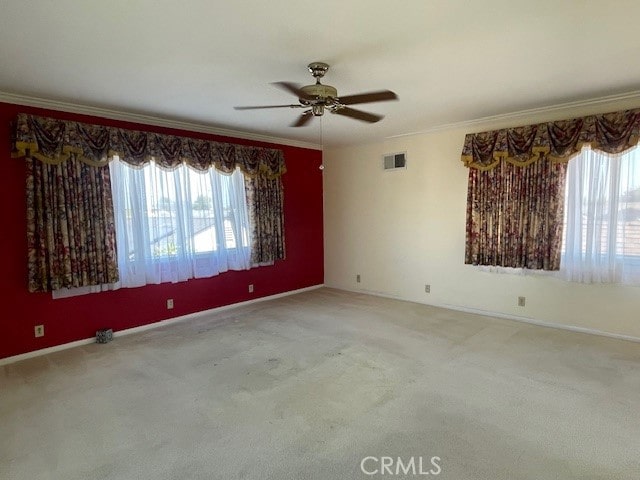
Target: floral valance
[557, 141]
[54, 141]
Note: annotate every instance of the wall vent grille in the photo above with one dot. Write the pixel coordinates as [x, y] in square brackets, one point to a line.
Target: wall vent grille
[394, 161]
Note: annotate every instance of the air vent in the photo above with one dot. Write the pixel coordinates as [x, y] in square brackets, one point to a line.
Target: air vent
[395, 161]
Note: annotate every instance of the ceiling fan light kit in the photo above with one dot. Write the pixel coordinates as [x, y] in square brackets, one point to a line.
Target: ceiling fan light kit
[318, 97]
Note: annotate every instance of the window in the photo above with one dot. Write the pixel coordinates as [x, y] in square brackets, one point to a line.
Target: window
[178, 224]
[168, 226]
[601, 242]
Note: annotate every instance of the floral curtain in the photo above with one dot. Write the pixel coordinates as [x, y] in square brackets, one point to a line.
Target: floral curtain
[556, 141]
[514, 216]
[515, 198]
[70, 217]
[70, 228]
[54, 141]
[266, 216]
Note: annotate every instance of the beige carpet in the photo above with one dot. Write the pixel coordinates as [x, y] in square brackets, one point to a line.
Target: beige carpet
[307, 386]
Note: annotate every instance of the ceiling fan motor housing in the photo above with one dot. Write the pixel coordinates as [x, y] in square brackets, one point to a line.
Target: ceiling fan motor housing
[319, 91]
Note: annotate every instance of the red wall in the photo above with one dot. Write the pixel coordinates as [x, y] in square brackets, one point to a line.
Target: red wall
[66, 320]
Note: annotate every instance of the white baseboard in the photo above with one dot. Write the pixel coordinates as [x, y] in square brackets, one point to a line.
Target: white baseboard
[542, 323]
[151, 326]
[487, 313]
[169, 321]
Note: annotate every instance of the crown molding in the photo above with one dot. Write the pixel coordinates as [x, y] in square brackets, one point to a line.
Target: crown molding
[506, 117]
[30, 101]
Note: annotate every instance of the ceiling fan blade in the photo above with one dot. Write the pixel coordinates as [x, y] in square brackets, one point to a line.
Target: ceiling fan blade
[267, 106]
[358, 114]
[293, 88]
[303, 119]
[380, 96]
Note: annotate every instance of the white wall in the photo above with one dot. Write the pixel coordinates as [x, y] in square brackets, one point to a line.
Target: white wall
[403, 229]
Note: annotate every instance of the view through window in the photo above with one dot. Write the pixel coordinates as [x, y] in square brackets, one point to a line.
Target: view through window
[172, 225]
[602, 218]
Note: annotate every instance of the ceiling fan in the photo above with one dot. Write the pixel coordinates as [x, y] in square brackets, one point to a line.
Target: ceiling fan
[318, 97]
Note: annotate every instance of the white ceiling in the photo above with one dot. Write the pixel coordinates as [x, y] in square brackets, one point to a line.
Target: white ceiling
[449, 61]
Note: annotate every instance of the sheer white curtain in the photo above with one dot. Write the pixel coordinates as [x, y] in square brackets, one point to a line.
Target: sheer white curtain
[179, 224]
[602, 215]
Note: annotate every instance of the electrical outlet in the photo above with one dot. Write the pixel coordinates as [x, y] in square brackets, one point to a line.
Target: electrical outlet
[38, 331]
[251, 288]
[521, 301]
[169, 303]
[358, 278]
[427, 288]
